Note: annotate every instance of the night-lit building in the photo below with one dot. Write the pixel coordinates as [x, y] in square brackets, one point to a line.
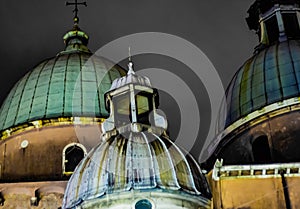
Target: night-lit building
[257, 153]
[78, 110]
[136, 166]
[45, 121]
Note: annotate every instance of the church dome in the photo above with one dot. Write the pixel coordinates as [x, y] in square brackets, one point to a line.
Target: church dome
[142, 161]
[261, 118]
[68, 85]
[54, 113]
[272, 75]
[136, 163]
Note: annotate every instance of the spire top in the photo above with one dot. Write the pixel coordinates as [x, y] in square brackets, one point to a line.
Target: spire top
[130, 64]
[76, 19]
[129, 54]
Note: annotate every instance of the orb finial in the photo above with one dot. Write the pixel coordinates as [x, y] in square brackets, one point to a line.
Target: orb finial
[76, 19]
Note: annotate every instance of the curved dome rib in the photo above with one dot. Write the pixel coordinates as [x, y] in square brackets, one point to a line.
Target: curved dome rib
[142, 161]
[64, 86]
[71, 84]
[268, 77]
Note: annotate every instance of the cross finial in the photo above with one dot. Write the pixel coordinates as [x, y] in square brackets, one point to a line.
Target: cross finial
[76, 19]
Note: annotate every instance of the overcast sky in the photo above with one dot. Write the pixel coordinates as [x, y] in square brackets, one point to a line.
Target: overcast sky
[32, 30]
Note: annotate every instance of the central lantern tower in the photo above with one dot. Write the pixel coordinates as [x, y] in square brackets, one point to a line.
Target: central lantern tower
[136, 166]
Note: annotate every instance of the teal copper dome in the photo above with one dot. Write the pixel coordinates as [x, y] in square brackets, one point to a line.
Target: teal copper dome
[67, 85]
[272, 75]
[262, 113]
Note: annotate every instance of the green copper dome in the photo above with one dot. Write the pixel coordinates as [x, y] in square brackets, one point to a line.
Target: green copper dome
[69, 84]
[261, 117]
[272, 75]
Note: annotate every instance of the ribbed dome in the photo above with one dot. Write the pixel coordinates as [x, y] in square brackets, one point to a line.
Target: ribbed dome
[69, 84]
[141, 161]
[270, 76]
[131, 78]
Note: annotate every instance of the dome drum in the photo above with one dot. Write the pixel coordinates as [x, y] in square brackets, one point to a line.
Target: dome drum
[42, 154]
[271, 138]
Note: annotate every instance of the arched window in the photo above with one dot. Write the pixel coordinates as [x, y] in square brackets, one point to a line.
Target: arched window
[123, 112]
[144, 107]
[122, 109]
[272, 29]
[143, 204]
[72, 155]
[291, 25]
[261, 150]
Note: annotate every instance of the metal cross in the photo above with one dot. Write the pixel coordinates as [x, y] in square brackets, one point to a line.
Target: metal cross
[76, 6]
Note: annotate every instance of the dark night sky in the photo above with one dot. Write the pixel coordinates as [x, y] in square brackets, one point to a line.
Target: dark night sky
[32, 31]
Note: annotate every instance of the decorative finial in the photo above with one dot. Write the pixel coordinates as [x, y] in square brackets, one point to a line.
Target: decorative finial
[76, 19]
[129, 54]
[130, 64]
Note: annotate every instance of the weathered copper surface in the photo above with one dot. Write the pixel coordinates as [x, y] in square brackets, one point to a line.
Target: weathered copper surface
[270, 76]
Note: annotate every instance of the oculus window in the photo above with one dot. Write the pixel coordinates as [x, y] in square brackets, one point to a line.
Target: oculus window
[143, 204]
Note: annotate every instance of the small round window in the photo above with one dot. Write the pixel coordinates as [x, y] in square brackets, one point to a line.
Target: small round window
[143, 204]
